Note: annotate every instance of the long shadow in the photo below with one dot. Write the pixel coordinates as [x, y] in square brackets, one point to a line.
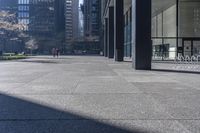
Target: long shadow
[23, 116]
[39, 61]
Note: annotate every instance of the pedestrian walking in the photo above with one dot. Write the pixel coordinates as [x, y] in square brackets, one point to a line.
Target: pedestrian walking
[57, 52]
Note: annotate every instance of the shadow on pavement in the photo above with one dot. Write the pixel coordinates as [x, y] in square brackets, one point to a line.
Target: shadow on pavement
[39, 61]
[23, 116]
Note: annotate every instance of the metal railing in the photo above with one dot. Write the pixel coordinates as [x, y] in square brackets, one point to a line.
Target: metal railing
[187, 63]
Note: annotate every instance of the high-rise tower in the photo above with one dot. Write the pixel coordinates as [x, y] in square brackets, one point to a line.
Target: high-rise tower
[71, 20]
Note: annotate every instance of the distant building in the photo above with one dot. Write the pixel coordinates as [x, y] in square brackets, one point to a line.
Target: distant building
[46, 17]
[81, 23]
[23, 13]
[47, 22]
[7, 42]
[8, 5]
[71, 20]
[60, 15]
[91, 10]
[42, 18]
[92, 17]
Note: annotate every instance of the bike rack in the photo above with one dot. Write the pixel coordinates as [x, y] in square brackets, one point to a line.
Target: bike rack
[190, 62]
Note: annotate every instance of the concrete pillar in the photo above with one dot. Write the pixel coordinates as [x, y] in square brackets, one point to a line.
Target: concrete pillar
[111, 33]
[119, 29]
[106, 38]
[141, 34]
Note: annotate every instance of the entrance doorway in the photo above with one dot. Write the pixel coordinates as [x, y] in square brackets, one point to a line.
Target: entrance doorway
[191, 47]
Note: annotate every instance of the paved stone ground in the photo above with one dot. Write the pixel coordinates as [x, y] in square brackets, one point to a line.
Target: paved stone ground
[95, 95]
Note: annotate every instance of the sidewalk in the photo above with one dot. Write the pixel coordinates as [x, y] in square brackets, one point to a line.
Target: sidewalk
[88, 94]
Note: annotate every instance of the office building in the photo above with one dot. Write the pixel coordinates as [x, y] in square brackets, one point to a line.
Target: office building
[158, 30]
[60, 15]
[175, 28]
[46, 23]
[23, 13]
[8, 5]
[92, 25]
[9, 41]
[71, 20]
[92, 17]
[81, 24]
[42, 18]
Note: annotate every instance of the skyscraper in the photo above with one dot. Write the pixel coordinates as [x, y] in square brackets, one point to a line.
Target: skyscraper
[92, 17]
[23, 13]
[81, 26]
[60, 15]
[42, 18]
[9, 41]
[9, 5]
[71, 20]
[47, 23]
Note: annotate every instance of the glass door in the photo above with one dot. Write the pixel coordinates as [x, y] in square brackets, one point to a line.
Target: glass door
[187, 48]
[196, 48]
[191, 47]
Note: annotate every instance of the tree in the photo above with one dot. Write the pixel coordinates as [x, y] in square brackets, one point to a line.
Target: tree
[10, 29]
[31, 45]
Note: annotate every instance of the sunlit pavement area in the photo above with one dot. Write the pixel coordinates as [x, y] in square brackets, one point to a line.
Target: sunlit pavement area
[88, 94]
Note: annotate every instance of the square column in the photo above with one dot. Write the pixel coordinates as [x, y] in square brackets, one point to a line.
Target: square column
[106, 38]
[111, 33]
[141, 34]
[119, 29]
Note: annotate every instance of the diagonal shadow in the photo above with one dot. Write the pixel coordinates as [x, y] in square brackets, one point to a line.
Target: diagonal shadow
[22, 116]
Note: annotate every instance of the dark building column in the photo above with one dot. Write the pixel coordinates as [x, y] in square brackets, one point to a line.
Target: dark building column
[141, 33]
[119, 29]
[111, 33]
[106, 37]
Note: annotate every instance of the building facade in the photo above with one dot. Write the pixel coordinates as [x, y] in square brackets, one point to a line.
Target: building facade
[175, 28]
[47, 24]
[23, 13]
[71, 20]
[92, 17]
[60, 16]
[8, 5]
[81, 24]
[92, 25]
[42, 18]
[47, 20]
[171, 30]
[10, 42]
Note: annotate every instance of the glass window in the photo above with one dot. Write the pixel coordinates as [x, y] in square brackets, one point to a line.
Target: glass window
[23, 1]
[189, 18]
[164, 31]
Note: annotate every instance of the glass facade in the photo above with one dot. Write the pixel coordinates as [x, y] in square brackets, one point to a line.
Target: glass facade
[175, 28]
[92, 15]
[164, 31]
[42, 18]
[189, 27]
[23, 13]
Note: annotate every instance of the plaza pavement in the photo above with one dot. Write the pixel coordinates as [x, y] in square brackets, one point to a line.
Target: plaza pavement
[75, 94]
